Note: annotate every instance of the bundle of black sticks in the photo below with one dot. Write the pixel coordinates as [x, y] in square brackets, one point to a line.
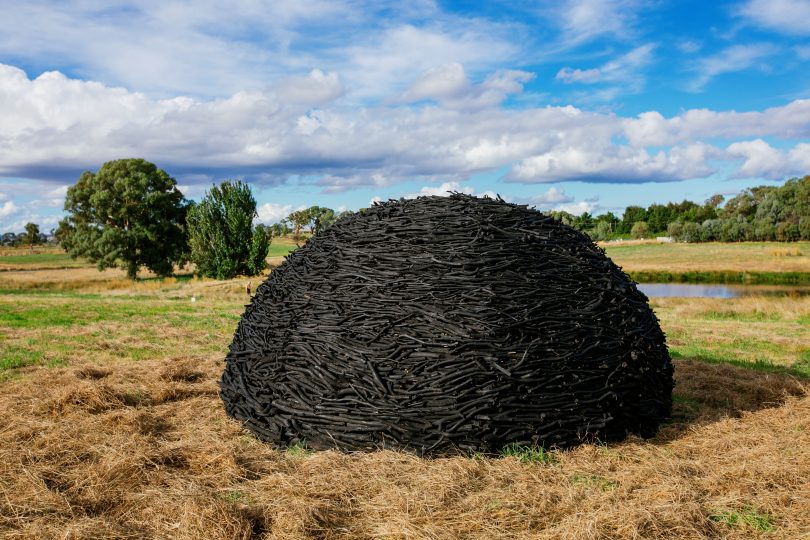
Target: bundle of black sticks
[443, 324]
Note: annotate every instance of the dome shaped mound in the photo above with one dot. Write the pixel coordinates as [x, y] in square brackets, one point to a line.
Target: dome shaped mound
[447, 323]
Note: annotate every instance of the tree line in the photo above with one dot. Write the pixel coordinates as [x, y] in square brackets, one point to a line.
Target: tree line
[31, 237]
[130, 214]
[763, 213]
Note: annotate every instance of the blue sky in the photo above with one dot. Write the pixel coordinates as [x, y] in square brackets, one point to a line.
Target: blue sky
[583, 105]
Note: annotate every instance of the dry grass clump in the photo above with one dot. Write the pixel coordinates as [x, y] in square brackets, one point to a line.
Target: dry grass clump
[144, 450]
[786, 252]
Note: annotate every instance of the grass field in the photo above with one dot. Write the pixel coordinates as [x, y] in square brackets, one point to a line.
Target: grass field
[112, 428]
[746, 262]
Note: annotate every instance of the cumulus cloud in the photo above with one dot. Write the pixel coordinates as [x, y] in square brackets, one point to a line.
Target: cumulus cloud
[446, 189]
[552, 196]
[653, 129]
[578, 208]
[317, 88]
[8, 209]
[450, 86]
[761, 160]
[270, 213]
[614, 164]
[56, 126]
[405, 53]
[785, 16]
[52, 198]
[439, 82]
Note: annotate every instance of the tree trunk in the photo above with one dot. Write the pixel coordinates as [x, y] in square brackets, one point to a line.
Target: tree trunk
[132, 270]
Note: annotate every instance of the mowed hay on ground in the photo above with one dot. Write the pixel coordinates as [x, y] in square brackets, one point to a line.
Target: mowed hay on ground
[126, 437]
[144, 450]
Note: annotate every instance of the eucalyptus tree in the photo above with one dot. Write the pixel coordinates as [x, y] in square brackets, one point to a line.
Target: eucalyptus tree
[128, 214]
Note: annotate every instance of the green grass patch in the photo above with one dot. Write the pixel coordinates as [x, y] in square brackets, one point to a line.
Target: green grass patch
[237, 497]
[43, 317]
[527, 454]
[798, 369]
[299, 449]
[723, 276]
[43, 259]
[745, 518]
[594, 481]
[754, 316]
[279, 250]
[51, 329]
[15, 356]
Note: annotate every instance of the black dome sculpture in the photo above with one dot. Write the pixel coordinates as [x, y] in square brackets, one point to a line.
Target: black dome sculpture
[447, 323]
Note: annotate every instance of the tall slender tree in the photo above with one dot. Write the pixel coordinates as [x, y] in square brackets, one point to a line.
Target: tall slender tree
[222, 238]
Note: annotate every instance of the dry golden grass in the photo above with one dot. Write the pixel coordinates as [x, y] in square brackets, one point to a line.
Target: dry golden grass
[144, 450]
[711, 257]
[768, 329]
[130, 440]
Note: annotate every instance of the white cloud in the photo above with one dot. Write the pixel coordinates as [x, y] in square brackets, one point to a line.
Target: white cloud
[210, 49]
[761, 160]
[614, 164]
[317, 88]
[57, 127]
[570, 75]
[585, 20]
[653, 129]
[578, 208]
[439, 82]
[400, 55]
[270, 213]
[449, 86]
[7, 209]
[799, 156]
[52, 198]
[803, 52]
[443, 190]
[552, 196]
[786, 16]
[446, 189]
[623, 68]
[730, 60]
[688, 46]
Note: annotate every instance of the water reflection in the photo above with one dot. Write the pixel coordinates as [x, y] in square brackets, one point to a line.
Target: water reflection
[705, 290]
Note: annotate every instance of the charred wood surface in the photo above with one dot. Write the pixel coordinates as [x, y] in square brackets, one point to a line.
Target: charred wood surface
[447, 323]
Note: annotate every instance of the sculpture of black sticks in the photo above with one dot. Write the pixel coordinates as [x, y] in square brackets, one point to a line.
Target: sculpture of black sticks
[441, 324]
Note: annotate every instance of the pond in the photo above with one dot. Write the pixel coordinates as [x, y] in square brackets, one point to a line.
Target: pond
[711, 290]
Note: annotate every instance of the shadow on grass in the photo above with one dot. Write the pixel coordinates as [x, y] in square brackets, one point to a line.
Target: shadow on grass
[708, 391]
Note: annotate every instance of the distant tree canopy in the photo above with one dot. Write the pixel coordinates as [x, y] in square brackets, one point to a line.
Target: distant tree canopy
[128, 214]
[32, 235]
[315, 219]
[223, 241]
[764, 213]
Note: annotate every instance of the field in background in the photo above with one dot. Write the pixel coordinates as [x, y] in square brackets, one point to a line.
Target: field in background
[711, 257]
[112, 427]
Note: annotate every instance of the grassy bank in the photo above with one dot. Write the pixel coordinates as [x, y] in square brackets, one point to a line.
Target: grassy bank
[112, 428]
[720, 276]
